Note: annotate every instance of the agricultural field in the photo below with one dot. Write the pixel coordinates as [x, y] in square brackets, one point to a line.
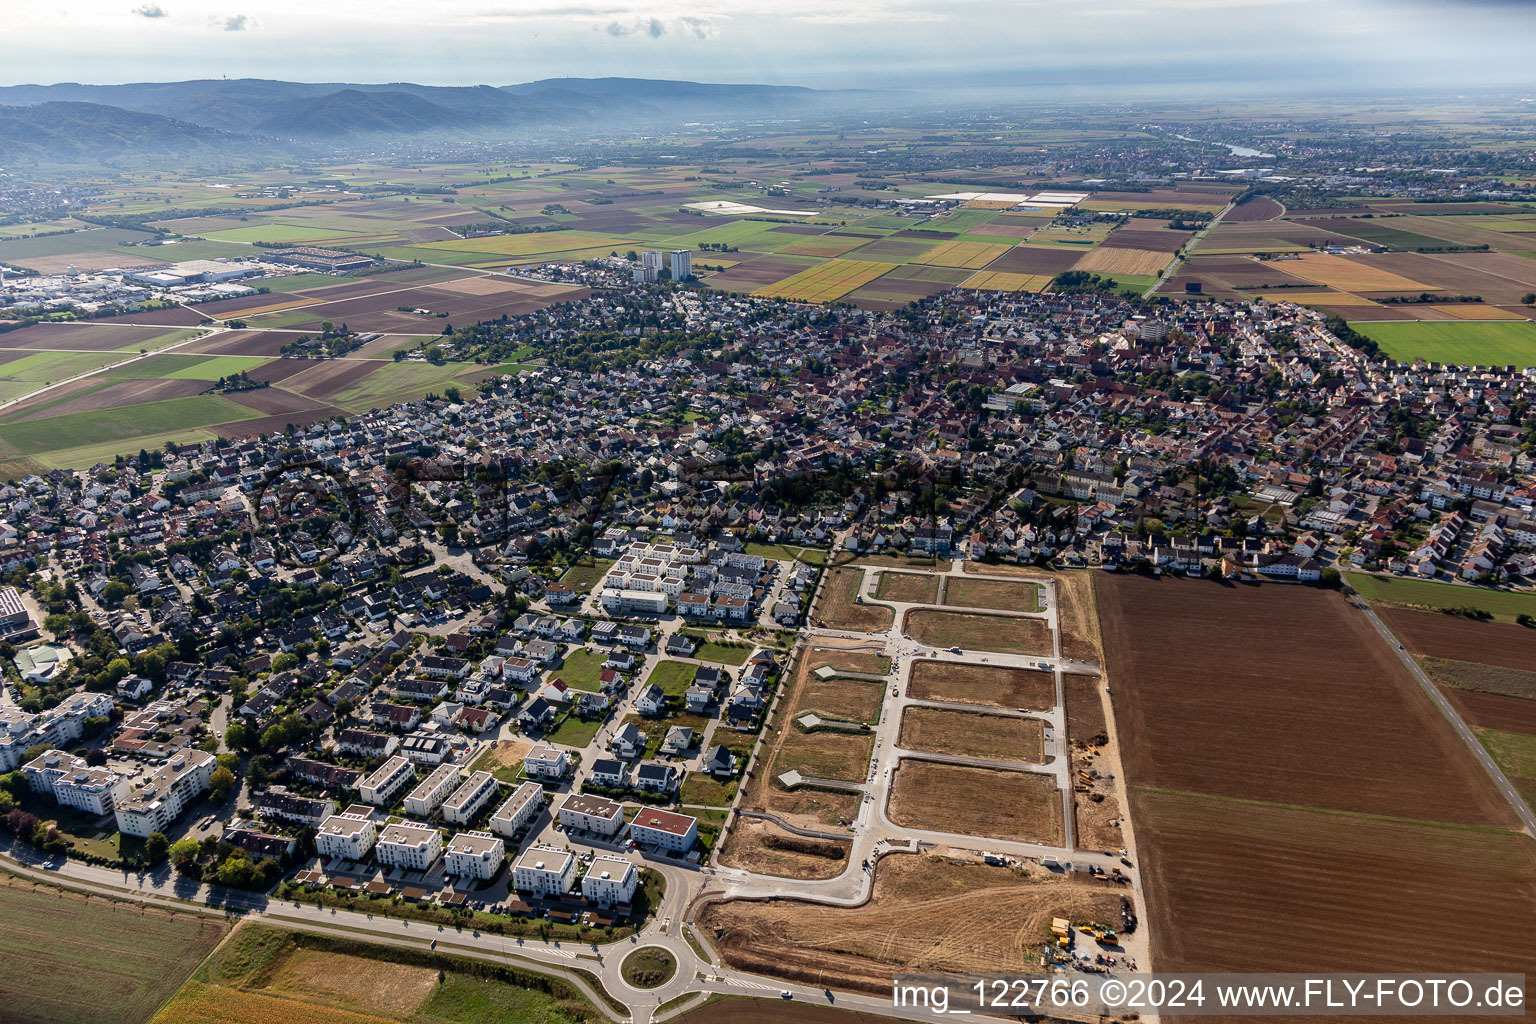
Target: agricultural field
[1133, 262]
[970, 255]
[1251, 760]
[992, 281]
[973, 632]
[907, 588]
[846, 698]
[925, 914]
[825, 282]
[985, 802]
[1479, 343]
[1503, 605]
[984, 685]
[265, 974]
[93, 961]
[973, 734]
[1000, 595]
[838, 607]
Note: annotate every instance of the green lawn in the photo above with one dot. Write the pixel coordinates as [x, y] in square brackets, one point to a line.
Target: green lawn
[574, 732]
[789, 552]
[674, 677]
[1481, 343]
[721, 654]
[699, 788]
[298, 282]
[582, 670]
[585, 576]
[1502, 604]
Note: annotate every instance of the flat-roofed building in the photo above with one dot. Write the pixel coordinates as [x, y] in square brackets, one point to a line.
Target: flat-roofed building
[591, 814]
[381, 788]
[150, 806]
[408, 846]
[73, 782]
[664, 829]
[470, 799]
[517, 810]
[610, 880]
[474, 855]
[546, 762]
[544, 871]
[429, 794]
[346, 837]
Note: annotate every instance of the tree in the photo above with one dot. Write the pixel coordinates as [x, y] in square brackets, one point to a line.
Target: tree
[184, 855]
[1330, 578]
[220, 783]
[1529, 298]
[114, 592]
[156, 846]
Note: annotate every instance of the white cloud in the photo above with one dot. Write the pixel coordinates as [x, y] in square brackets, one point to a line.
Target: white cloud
[151, 11]
[236, 22]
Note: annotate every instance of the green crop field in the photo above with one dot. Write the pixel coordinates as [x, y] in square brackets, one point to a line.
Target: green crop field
[1502, 604]
[92, 961]
[1478, 343]
[212, 368]
[126, 423]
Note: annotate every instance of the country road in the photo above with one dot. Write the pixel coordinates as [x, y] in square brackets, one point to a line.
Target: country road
[1522, 809]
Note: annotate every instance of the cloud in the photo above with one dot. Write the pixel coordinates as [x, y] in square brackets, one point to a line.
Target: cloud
[655, 28]
[151, 11]
[236, 23]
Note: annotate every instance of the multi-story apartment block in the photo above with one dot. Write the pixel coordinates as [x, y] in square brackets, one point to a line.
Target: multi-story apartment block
[470, 799]
[345, 837]
[664, 830]
[591, 814]
[72, 782]
[429, 794]
[474, 855]
[408, 846]
[153, 804]
[544, 871]
[518, 810]
[384, 785]
[609, 880]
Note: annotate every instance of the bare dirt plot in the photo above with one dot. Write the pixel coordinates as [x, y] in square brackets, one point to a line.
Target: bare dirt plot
[1137, 262]
[1154, 240]
[94, 337]
[281, 369]
[1433, 635]
[1494, 711]
[907, 588]
[924, 914]
[1290, 883]
[1035, 259]
[754, 274]
[1497, 277]
[762, 847]
[986, 685]
[766, 1010]
[856, 700]
[1085, 711]
[838, 606]
[997, 594]
[240, 343]
[826, 754]
[178, 316]
[975, 632]
[484, 284]
[330, 377]
[846, 661]
[1015, 806]
[1254, 208]
[1249, 711]
[973, 734]
[276, 401]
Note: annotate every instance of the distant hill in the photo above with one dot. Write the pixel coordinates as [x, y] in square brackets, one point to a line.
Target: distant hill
[341, 113]
[71, 132]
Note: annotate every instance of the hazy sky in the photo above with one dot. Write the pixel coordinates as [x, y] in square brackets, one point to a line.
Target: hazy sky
[830, 43]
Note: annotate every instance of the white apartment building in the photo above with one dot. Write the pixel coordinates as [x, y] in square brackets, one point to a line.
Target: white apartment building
[664, 830]
[610, 880]
[470, 798]
[408, 846]
[381, 788]
[643, 601]
[59, 725]
[429, 794]
[345, 836]
[682, 264]
[591, 814]
[518, 809]
[72, 782]
[544, 871]
[546, 762]
[151, 805]
[474, 855]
